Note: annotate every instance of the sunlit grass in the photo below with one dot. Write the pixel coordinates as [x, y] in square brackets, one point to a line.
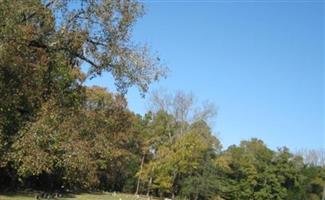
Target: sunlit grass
[84, 196]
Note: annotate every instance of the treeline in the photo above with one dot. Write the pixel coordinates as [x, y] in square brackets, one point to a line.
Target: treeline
[56, 133]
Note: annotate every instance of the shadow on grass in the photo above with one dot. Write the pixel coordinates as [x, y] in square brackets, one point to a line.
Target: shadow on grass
[33, 194]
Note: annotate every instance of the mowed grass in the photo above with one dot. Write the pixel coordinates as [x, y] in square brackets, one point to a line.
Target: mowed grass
[83, 196]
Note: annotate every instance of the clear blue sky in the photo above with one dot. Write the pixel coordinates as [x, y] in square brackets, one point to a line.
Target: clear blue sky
[261, 63]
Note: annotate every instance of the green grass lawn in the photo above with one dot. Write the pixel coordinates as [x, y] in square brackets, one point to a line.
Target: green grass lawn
[84, 196]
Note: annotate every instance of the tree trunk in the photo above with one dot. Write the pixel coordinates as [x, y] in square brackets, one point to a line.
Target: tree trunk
[138, 183]
[323, 198]
[196, 196]
[149, 186]
[174, 184]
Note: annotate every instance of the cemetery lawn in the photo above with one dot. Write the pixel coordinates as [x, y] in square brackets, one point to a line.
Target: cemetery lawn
[83, 196]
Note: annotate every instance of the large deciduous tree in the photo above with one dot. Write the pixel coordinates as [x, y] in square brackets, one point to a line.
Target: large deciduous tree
[45, 110]
[182, 147]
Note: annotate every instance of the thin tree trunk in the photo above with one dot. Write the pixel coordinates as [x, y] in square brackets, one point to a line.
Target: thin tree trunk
[149, 186]
[174, 184]
[323, 193]
[196, 196]
[169, 133]
[138, 183]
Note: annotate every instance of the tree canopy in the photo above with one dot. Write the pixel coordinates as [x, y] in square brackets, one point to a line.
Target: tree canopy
[56, 132]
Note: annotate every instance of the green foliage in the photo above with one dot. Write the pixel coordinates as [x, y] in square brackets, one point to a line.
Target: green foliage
[203, 184]
[179, 162]
[252, 171]
[85, 144]
[313, 184]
